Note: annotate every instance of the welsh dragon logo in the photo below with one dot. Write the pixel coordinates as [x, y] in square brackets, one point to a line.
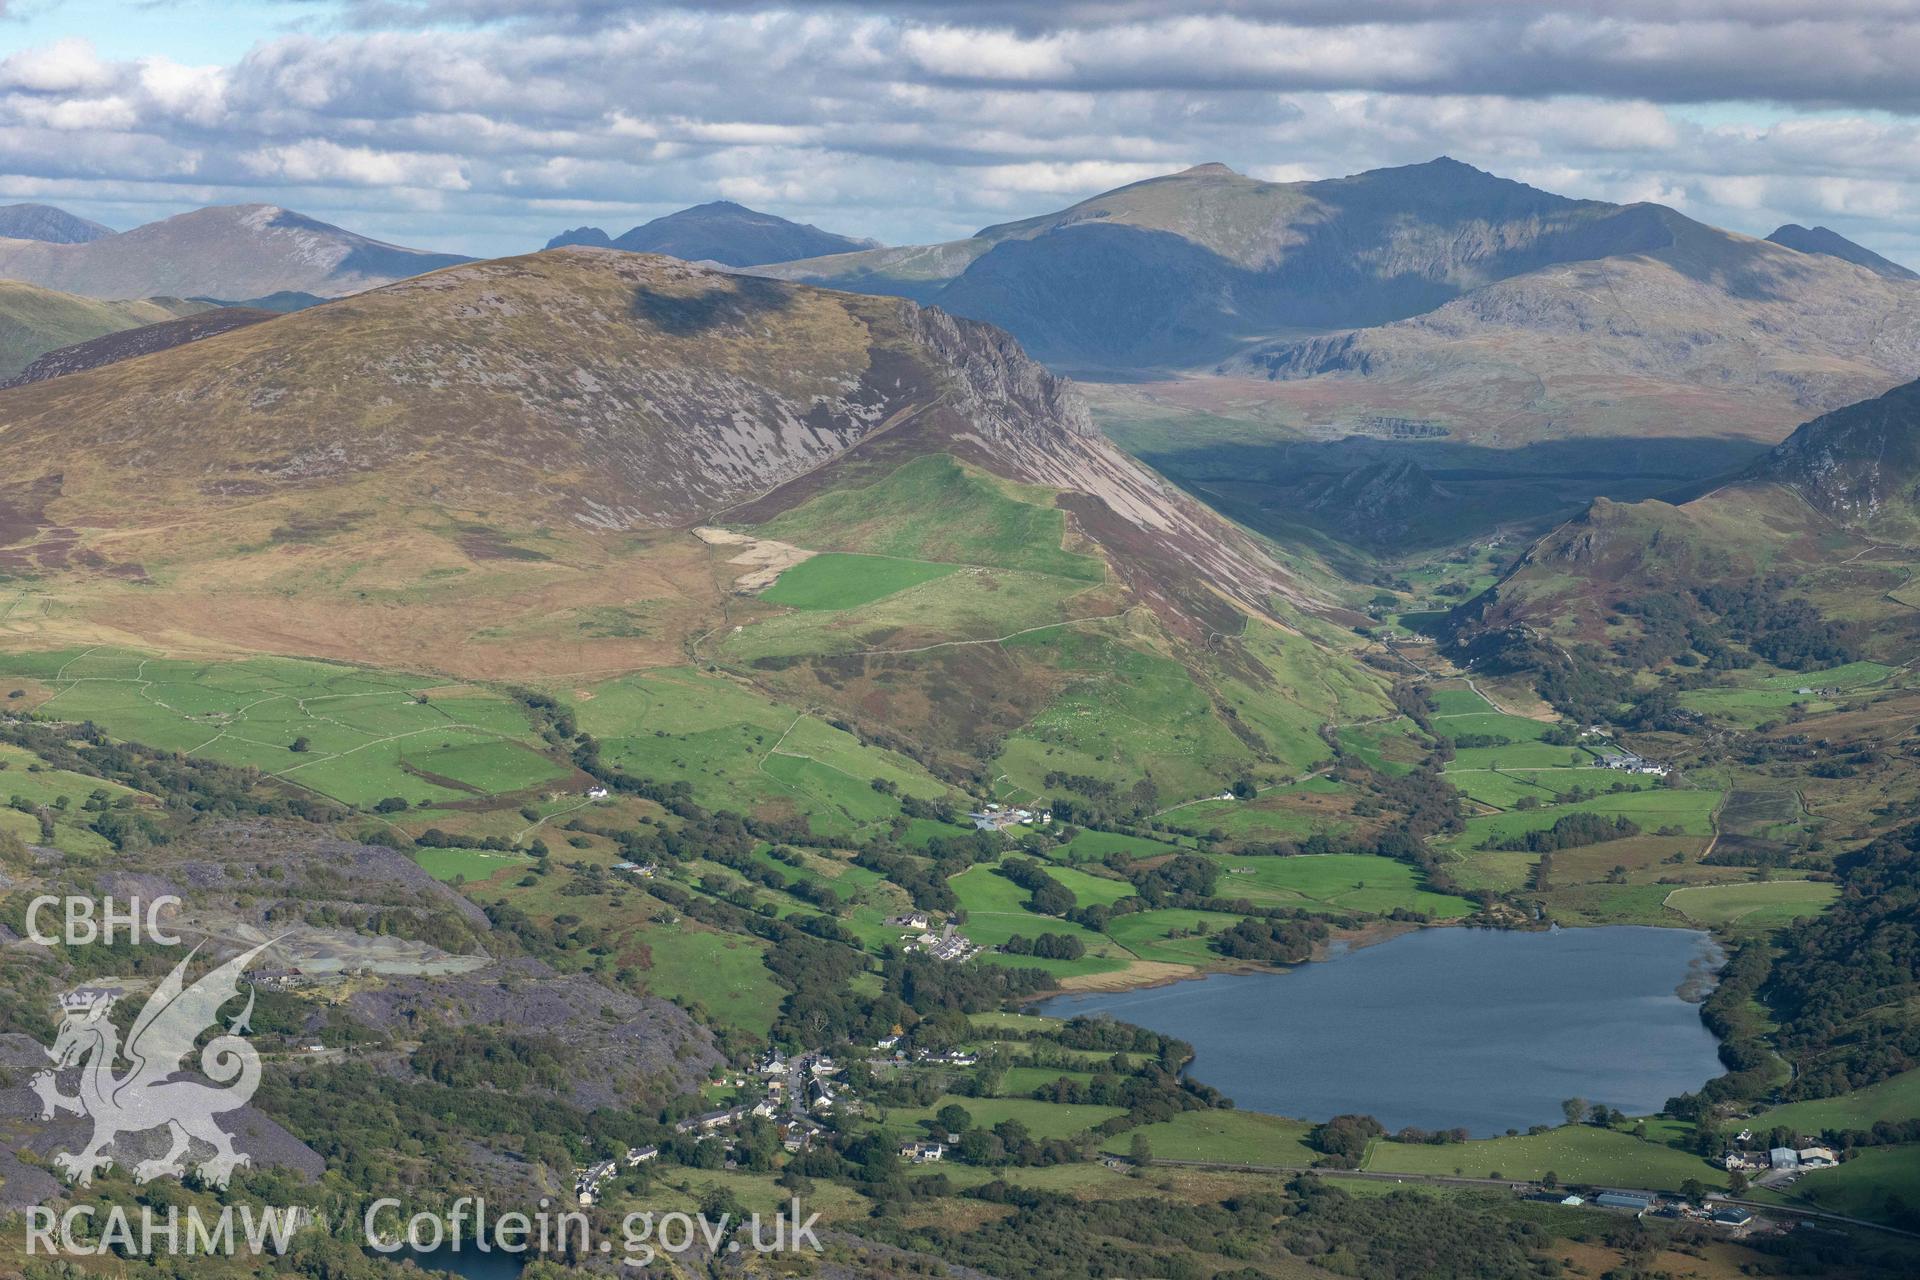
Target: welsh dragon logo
[147, 1095]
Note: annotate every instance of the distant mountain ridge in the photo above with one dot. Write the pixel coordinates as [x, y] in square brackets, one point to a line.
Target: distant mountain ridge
[720, 231]
[1835, 245]
[49, 225]
[1435, 291]
[226, 251]
[1191, 266]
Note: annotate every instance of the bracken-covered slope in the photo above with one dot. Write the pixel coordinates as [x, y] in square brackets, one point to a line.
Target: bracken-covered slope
[228, 251]
[34, 321]
[545, 417]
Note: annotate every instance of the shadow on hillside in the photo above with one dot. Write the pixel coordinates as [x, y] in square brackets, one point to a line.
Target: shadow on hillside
[688, 315]
[1347, 490]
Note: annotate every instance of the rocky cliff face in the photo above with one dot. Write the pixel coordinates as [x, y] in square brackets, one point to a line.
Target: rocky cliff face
[1861, 464]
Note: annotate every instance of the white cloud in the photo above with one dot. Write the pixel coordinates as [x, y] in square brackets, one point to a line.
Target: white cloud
[917, 119]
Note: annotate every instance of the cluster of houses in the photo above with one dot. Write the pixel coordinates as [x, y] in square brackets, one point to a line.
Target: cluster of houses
[1628, 762]
[1776, 1164]
[949, 944]
[918, 934]
[999, 817]
[923, 1151]
[588, 1181]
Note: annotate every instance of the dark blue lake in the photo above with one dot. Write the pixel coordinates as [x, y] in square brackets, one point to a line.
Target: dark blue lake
[1446, 1028]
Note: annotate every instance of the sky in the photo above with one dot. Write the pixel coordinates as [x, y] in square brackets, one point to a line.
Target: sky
[486, 126]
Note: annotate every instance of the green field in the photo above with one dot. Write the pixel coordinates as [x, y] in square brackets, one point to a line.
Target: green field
[470, 865]
[840, 581]
[1690, 811]
[1508, 787]
[1897, 1098]
[740, 750]
[935, 509]
[1091, 846]
[368, 734]
[63, 794]
[1226, 1136]
[1145, 934]
[1575, 1153]
[996, 910]
[1768, 902]
[1125, 714]
[1346, 881]
[1043, 1119]
[720, 972]
[1877, 1183]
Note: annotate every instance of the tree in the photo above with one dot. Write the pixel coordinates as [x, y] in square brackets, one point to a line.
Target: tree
[1694, 1191]
[301, 745]
[1737, 1182]
[954, 1118]
[1139, 1150]
[1575, 1110]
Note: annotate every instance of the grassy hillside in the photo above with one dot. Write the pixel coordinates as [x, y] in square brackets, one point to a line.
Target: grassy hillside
[33, 321]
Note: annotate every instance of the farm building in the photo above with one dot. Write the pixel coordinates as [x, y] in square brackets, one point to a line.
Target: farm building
[1784, 1158]
[1637, 1201]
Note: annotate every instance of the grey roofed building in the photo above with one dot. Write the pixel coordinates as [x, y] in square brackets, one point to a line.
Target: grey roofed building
[1638, 1201]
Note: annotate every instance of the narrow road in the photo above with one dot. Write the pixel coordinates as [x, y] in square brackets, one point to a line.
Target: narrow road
[1510, 1184]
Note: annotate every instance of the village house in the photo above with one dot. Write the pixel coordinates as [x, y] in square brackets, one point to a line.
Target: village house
[918, 920]
[710, 1121]
[923, 1152]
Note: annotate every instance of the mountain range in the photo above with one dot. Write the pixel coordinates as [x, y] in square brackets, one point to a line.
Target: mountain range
[45, 223]
[720, 231]
[227, 251]
[1433, 291]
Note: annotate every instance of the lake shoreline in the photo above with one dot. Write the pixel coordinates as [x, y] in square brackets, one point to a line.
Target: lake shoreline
[1475, 1028]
